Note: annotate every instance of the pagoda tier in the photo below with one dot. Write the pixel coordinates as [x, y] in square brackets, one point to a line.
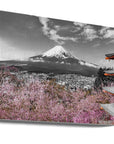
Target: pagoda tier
[109, 90]
[109, 108]
[109, 73]
[109, 56]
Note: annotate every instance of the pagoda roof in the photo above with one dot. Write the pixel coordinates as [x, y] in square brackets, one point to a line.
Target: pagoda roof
[109, 55]
[109, 73]
[109, 90]
[109, 108]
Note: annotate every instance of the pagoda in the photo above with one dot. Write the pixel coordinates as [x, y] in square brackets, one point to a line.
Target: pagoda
[109, 90]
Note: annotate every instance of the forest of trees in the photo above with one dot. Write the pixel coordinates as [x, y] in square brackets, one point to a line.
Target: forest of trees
[102, 80]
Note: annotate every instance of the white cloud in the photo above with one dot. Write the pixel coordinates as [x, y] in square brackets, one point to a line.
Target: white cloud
[83, 31]
[79, 24]
[53, 33]
[89, 33]
[109, 34]
[103, 31]
[59, 39]
[44, 22]
[106, 32]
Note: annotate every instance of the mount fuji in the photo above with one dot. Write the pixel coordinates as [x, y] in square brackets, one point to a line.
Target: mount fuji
[57, 54]
[59, 60]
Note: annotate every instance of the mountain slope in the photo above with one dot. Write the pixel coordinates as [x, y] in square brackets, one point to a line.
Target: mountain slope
[58, 59]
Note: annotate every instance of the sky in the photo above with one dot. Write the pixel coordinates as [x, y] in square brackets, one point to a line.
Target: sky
[23, 36]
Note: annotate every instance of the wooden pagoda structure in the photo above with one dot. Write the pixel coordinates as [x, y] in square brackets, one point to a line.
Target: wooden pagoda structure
[110, 90]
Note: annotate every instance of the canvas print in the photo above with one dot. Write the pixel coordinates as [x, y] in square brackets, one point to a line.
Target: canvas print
[55, 70]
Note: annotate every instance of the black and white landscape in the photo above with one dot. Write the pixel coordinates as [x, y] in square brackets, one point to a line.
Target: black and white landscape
[45, 45]
[54, 70]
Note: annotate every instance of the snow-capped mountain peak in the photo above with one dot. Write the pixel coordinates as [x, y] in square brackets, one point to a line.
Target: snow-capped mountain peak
[58, 51]
[59, 60]
[59, 54]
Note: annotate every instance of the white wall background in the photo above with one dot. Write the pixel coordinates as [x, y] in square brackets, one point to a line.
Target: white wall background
[99, 12]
